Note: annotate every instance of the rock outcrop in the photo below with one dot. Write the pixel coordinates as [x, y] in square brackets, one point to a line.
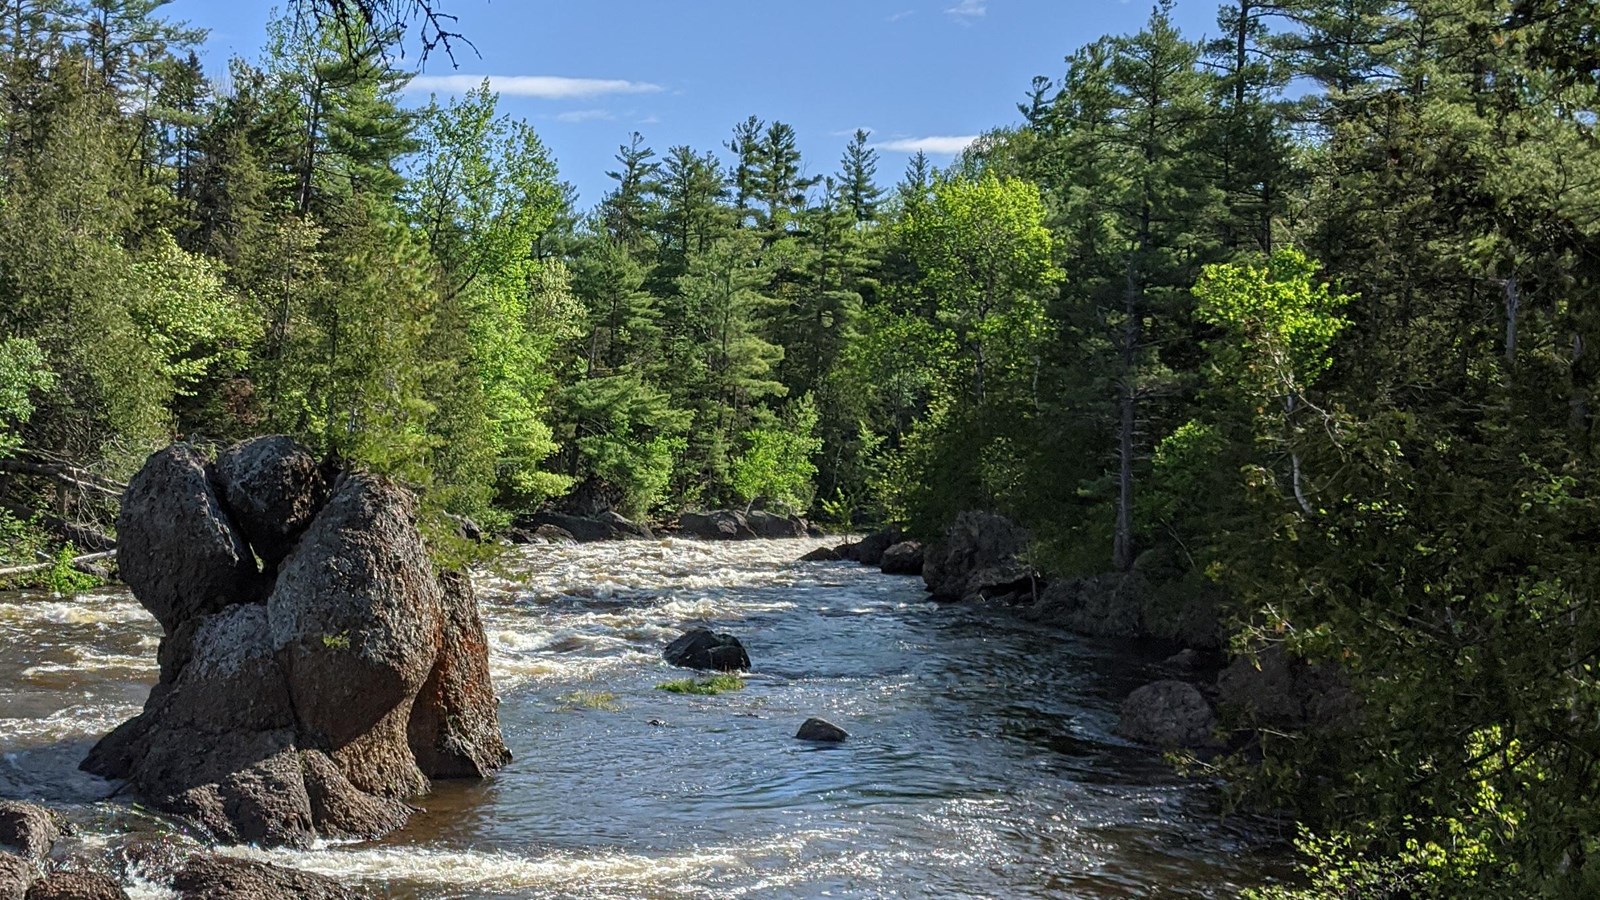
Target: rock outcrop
[904, 558]
[1169, 715]
[1270, 689]
[703, 649]
[980, 558]
[313, 699]
[822, 554]
[1184, 611]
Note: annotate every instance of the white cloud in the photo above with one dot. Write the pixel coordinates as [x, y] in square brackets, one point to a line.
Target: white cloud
[902, 14]
[937, 145]
[967, 10]
[544, 87]
[586, 115]
[851, 132]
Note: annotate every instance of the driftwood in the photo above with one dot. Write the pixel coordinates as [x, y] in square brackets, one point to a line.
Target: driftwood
[77, 562]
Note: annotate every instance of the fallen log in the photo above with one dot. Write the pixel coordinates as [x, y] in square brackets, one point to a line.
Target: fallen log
[76, 477]
[77, 562]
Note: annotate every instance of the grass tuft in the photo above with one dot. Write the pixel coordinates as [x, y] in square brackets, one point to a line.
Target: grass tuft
[704, 687]
[604, 701]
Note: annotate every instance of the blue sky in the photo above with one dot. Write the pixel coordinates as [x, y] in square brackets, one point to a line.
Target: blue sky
[587, 73]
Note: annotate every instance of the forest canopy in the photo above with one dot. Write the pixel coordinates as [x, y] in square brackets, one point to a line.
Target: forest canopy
[1302, 316]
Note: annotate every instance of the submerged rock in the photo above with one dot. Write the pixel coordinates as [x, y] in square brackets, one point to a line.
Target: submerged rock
[317, 712]
[206, 877]
[1169, 715]
[821, 731]
[703, 649]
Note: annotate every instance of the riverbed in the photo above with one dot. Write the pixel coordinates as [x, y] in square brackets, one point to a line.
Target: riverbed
[981, 761]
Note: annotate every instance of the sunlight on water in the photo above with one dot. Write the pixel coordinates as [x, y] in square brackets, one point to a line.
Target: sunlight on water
[981, 761]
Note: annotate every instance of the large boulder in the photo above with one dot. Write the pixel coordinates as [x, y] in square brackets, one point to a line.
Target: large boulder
[717, 525]
[77, 886]
[178, 549]
[274, 488]
[355, 621]
[1271, 689]
[1169, 715]
[904, 558]
[455, 723]
[206, 877]
[870, 549]
[703, 649]
[1183, 610]
[316, 710]
[773, 526]
[607, 526]
[29, 831]
[979, 558]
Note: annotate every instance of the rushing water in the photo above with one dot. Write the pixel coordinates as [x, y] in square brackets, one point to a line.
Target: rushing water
[981, 761]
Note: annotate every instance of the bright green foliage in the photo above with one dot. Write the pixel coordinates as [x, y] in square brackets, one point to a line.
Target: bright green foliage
[777, 465]
[1280, 322]
[198, 327]
[22, 372]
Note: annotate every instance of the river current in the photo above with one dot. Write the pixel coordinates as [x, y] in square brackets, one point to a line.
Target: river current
[981, 761]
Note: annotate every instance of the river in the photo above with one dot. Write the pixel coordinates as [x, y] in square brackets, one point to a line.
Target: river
[981, 761]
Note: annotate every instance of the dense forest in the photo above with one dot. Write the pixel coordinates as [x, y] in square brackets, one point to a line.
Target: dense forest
[1299, 315]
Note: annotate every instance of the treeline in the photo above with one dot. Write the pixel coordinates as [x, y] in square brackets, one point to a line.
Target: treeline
[1302, 314]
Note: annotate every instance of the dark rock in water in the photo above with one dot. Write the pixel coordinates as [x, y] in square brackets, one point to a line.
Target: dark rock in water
[317, 712]
[815, 530]
[206, 877]
[904, 558]
[28, 830]
[77, 886]
[550, 534]
[1169, 715]
[152, 857]
[980, 556]
[455, 722]
[1274, 690]
[273, 488]
[869, 550]
[717, 525]
[16, 876]
[822, 554]
[1183, 659]
[1130, 605]
[773, 526]
[607, 527]
[702, 649]
[821, 731]
[179, 550]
